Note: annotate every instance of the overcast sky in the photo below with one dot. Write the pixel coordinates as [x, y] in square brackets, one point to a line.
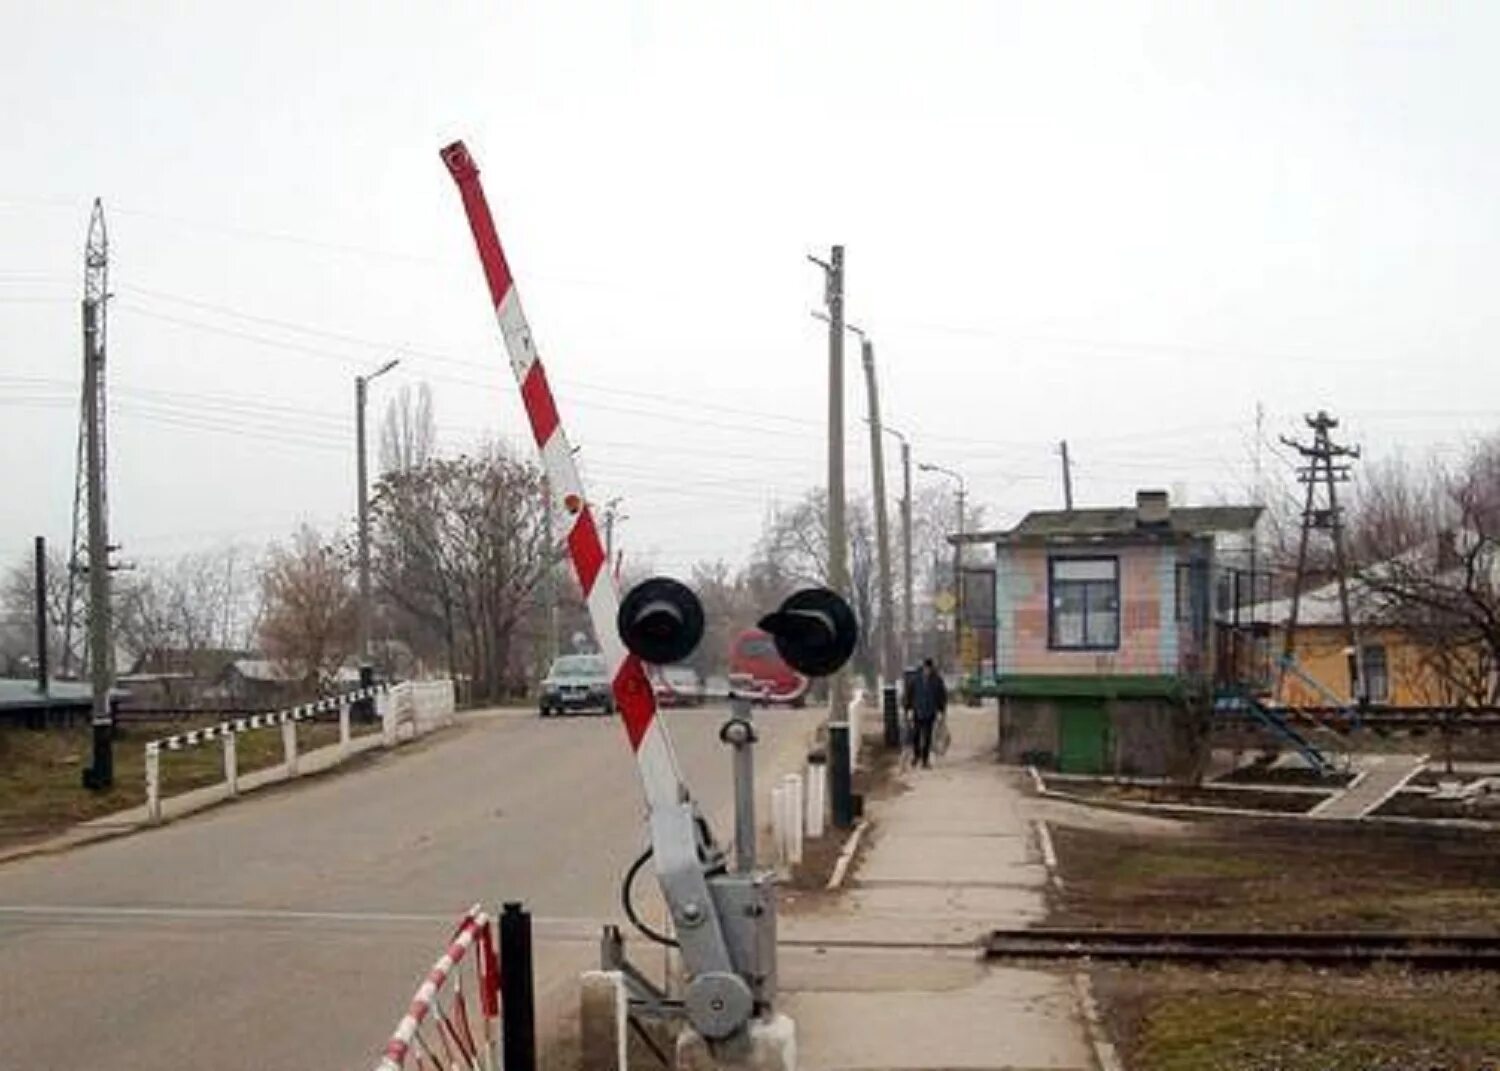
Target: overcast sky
[1120, 224]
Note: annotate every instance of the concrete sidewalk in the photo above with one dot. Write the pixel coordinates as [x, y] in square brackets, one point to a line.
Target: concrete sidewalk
[949, 858]
[1380, 777]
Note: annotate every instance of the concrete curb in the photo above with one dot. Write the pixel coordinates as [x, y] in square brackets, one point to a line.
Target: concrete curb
[1190, 810]
[851, 845]
[1049, 852]
[1104, 1049]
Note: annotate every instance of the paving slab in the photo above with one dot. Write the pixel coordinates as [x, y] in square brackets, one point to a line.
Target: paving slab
[1380, 777]
[1006, 1019]
[950, 857]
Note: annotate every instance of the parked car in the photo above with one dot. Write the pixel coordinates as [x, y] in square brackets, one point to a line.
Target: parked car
[576, 682]
[677, 686]
[755, 666]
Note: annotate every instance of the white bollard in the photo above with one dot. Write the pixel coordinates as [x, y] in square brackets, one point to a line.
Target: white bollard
[817, 797]
[778, 824]
[153, 783]
[344, 732]
[232, 763]
[387, 712]
[603, 1021]
[794, 809]
[289, 746]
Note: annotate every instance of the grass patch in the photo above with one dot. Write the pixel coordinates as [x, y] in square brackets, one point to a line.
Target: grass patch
[42, 793]
[1296, 1019]
[1280, 875]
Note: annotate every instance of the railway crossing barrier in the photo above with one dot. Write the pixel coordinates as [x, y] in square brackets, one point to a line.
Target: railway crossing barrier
[442, 1028]
[420, 705]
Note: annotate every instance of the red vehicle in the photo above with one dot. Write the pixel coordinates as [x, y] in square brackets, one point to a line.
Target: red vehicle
[755, 666]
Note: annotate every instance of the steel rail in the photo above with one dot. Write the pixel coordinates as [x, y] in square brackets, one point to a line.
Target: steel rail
[1428, 950]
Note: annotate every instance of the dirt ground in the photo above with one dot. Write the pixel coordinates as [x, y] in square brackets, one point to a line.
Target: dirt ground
[41, 793]
[1289, 875]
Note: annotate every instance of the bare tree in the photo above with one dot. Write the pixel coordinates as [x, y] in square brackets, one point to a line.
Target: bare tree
[18, 614]
[408, 431]
[460, 553]
[793, 552]
[1428, 565]
[309, 621]
[177, 608]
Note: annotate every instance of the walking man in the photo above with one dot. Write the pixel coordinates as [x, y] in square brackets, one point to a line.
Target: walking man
[929, 701]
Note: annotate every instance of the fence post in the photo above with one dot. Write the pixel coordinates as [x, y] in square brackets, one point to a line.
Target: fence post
[517, 996]
[344, 732]
[153, 783]
[289, 746]
[232, 763]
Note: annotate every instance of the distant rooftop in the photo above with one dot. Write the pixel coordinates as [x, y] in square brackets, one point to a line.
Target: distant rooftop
[1152, 519]
[21, 693]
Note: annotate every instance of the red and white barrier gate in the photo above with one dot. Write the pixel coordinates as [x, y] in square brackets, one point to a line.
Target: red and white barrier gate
[440, 1031]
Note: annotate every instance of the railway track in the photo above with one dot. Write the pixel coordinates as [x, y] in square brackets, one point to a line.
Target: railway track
[1424, 950]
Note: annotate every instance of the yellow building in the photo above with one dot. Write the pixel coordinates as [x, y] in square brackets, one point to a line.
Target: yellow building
[1397, 669]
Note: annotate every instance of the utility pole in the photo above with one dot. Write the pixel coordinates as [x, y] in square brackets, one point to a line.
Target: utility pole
[882, 520]
[101, 773]
[366, 604]
[1322, 469]
[611, 515]
[838, 569]
[43, 672]
[1067, 474]
[908, 610]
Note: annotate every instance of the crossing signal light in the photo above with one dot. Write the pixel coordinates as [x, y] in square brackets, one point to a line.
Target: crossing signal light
[814, 630]
[660, 620]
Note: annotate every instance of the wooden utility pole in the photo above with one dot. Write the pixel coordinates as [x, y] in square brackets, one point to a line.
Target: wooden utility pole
[100, 775]
[1327, 465]
[1067, 475]
[838, 568]
[43, 671]
[882, 523]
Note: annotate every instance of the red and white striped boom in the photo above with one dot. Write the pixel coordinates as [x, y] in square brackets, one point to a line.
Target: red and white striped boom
[634, 698]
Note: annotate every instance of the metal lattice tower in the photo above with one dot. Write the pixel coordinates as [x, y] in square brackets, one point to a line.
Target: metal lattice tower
[1327, 466]
[91, 436]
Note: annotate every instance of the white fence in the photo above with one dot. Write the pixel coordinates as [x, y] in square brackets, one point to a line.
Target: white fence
[419, 705]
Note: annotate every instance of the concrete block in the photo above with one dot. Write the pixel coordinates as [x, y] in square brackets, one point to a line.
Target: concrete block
[602, 1024]
[768, 1044]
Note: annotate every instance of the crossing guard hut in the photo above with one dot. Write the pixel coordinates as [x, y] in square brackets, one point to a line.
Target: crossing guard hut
[1114, 627]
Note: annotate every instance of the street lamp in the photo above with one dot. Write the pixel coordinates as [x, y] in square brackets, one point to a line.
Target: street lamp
[958, 580]
[361, 394]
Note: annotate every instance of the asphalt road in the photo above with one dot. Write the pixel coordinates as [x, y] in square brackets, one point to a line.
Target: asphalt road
[289, 929]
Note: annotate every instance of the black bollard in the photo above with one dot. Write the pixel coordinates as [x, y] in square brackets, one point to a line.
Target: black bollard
[892, 717]
[840, 776]
[517, 993]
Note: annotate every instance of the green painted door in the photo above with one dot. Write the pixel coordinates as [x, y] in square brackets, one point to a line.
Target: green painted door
[1084, 731]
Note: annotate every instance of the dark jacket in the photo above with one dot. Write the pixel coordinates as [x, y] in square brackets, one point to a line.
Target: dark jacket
[929, 697]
